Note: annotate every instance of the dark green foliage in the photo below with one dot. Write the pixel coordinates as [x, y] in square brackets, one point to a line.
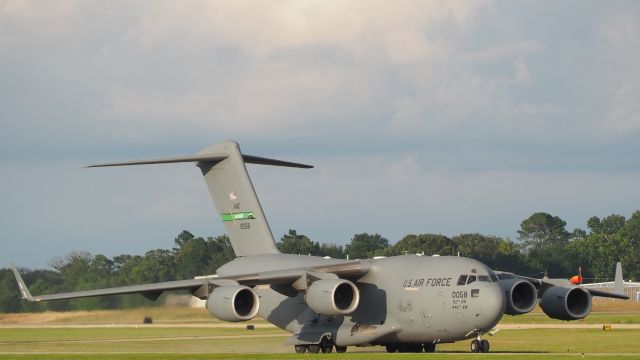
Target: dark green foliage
[332, 250]
[83, 271]
[542, 230]
[429, 244]
[298, 244]
[364, 245]
[9, 296]
[293, 243]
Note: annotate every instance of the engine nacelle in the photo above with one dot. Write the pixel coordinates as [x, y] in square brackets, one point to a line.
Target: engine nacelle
[521, 296]
[233, 303]
[566, 303]
[333, 297]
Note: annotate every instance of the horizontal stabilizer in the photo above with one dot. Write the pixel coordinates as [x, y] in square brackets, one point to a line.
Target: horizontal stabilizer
[249, 159]
[168, 160]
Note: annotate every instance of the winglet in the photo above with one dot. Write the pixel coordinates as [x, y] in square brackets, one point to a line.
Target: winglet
[618, 284]
[24, 291]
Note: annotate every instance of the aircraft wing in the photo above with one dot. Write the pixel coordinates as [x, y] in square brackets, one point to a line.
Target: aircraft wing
[150, 291]
[607, 294]
[542, 284]
[201, 287]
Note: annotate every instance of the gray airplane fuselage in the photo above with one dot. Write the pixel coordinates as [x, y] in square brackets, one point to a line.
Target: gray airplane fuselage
[410, 298]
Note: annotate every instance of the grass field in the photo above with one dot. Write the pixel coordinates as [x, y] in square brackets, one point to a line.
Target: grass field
[178, 333]
[119, 342]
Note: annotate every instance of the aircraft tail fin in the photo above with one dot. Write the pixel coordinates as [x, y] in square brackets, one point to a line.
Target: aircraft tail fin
[618, 283]
[224, 171]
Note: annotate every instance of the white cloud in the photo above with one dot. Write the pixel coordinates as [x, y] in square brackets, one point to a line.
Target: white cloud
[625, 114]
[622, 29]
[506, 51]
[620, 41]
[523, 75]
[347, 77]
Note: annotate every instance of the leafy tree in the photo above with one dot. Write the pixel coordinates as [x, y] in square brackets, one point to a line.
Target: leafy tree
[365, 245]
[332, 250]
[294, 243]
[429, 244]
[72, 268]
[192, 258]
[609, 225]
[630, 235]
[542, 230]
[510, 258]
[9, 296]
[221, 252]
[157, 266]
[578, 234]
[183, 238]
[480, 247]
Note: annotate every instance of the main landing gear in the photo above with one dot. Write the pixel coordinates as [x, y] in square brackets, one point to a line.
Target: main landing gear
[478, 345]
[326, 347]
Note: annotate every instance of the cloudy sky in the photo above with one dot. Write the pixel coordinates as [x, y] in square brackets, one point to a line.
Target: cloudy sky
[420, 116]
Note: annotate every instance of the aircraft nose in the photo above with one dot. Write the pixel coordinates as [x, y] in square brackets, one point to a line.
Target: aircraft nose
[490, 306]
[493, 306]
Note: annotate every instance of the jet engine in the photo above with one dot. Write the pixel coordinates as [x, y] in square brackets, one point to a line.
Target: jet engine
[521, 296]
[332, 297]
[566, 303]
[233, 303]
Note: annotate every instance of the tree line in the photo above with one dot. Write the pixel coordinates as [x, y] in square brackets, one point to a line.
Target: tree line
[543, 246]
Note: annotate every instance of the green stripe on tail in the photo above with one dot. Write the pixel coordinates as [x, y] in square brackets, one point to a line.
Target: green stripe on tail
[238, 216]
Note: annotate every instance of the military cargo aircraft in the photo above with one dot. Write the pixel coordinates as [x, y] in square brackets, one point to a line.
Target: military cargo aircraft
[406, 303]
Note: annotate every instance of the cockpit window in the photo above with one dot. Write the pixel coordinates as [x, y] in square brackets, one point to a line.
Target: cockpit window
[471, 279]
[462, 280]
[484, 278]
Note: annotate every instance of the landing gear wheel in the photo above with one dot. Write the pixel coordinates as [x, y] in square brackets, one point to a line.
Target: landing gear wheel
[314, 349]
[475, 346]
[484, 346]
[391, 348]
[416, 348]
[429, 348]
[341, 349]
[300, 349]
[326, 348]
